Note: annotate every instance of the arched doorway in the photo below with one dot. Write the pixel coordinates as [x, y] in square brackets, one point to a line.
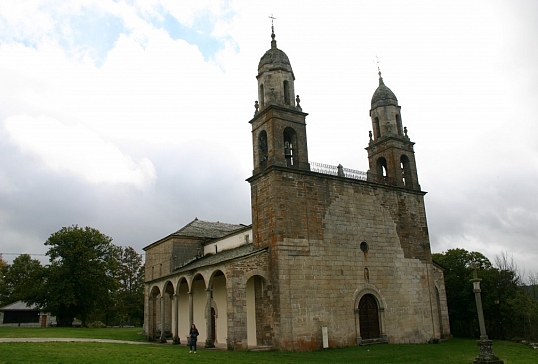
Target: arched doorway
[258, 310]
[369, 317]
[154, 312]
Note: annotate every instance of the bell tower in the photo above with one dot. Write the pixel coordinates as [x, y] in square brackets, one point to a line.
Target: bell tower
[390, 151]
[278, 126]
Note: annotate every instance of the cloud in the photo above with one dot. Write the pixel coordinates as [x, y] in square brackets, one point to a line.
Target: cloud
[132, 116]
[79, 151]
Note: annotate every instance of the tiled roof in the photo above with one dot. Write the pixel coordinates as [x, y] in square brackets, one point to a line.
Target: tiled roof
[211, 259]
[19, 306]
[208, 229]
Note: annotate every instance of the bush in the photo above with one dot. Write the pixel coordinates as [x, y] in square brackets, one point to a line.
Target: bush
[96, 325]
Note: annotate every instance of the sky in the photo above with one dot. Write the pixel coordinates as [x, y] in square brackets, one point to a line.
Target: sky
[132, 116]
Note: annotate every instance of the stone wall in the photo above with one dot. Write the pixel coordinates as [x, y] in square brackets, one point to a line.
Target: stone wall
[237, 274]
[314, 225]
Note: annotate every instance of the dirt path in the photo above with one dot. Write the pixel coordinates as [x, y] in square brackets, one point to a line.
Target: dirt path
[64, 339]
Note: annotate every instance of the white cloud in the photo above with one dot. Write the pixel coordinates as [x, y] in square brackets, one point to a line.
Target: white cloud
[75, 149]
[464, 74]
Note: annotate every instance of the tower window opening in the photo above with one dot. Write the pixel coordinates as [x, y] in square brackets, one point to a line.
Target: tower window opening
[288, 153]
[381, 170]
[290, 138]
[406, 171]
[377, 129]
[262, 149]
[286, 93]
[399, 124]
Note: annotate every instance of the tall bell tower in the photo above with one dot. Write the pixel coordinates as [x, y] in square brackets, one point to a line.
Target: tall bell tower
[390, 151]
[278, 126]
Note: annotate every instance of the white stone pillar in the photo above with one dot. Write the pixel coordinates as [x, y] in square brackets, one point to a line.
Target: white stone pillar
[191, 310]
[176, 339]
[162, 339]
[209, 329]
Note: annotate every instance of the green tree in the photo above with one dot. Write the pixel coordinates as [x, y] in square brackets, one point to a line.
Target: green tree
[510, 310]
[79, 282]
[3, 284]
[130, 295]
[460, 298]
[21, 279]
[3, 263]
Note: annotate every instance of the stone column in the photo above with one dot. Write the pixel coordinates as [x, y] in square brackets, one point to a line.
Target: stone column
[151, 324]
[162, 339]
[176, 339]
[484, 344]
[191, 311]
[209, 329]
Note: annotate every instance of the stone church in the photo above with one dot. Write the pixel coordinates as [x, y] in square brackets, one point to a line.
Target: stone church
[334, 257]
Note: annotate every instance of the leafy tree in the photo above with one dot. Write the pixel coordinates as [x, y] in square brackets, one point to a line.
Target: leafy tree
[21, 279]
[460, 297]
[510, 311]
[130, 294]
[3, 284]
[79, 282]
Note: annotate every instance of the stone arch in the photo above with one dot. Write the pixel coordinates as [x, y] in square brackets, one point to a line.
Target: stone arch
[405, 165]
[219, 303]
[259, 310]
[256, 272]
[290, 147]
[368, 296]
[167, 305]
[197, 303]
[182, 295]
[381, 169]
[153, 311]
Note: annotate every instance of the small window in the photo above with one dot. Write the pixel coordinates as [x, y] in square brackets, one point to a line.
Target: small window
[377, 129]
[399, 124]
[364, 246]
[263, 149]
[286, 93]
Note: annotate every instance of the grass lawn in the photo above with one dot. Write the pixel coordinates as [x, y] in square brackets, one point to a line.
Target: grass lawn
[131, 334]
[452, 351]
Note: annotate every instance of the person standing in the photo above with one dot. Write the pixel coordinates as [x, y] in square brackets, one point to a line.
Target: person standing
[193, 337]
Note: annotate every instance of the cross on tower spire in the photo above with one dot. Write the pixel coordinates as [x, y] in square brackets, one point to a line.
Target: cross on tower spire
[379, 71]
[273, 41]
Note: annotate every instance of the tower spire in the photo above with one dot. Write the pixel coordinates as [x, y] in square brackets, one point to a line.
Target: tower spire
[379, 71]
[273, 41]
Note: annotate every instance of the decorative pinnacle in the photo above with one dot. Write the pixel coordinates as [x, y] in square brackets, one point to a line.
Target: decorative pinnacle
[273, 41]
[379, 71]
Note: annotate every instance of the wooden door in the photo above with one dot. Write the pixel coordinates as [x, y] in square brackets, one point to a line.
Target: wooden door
[369, 317]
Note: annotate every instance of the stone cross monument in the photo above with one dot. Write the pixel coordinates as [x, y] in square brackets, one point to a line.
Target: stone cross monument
[484, 344]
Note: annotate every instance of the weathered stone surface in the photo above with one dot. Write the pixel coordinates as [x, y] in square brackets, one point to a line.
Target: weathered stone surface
[327, 251]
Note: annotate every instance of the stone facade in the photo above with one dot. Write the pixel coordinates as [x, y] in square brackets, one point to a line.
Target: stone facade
[325, 253]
